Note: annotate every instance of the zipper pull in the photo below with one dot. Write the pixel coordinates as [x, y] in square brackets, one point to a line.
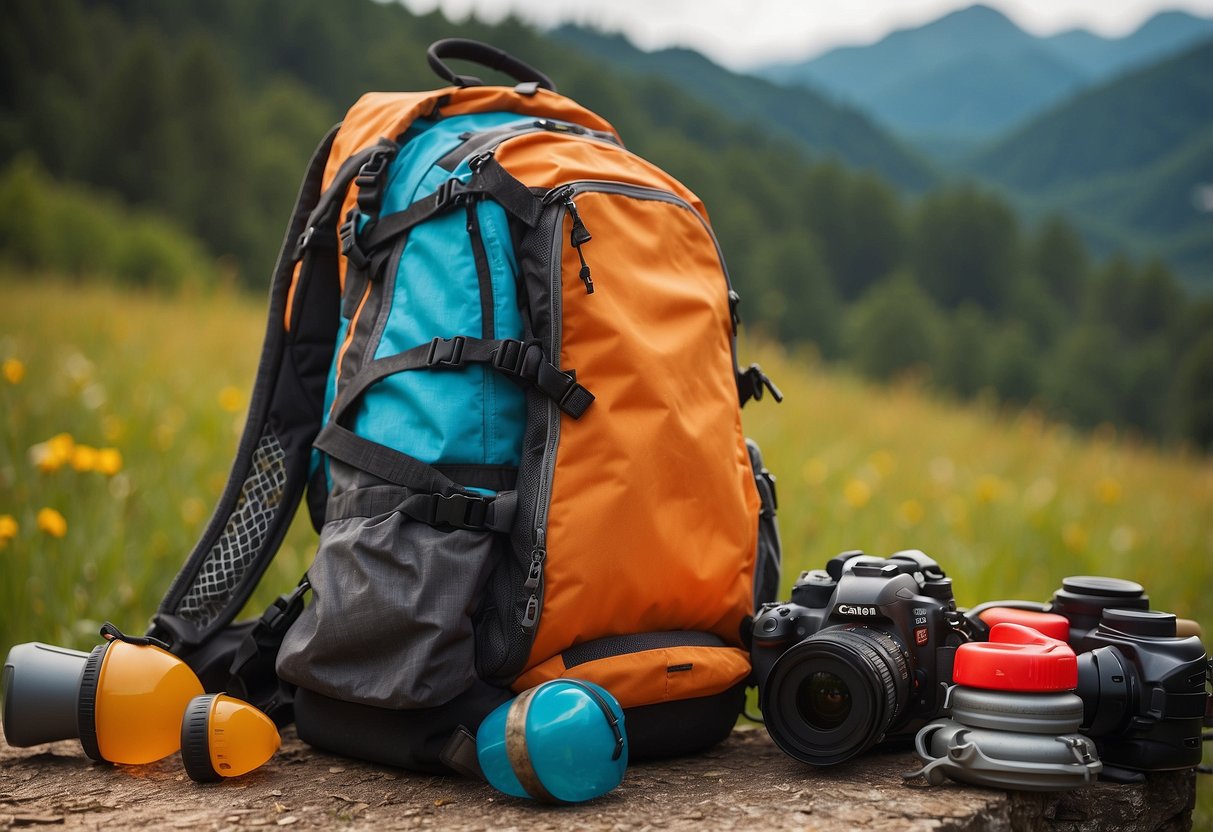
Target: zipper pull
[535, 573]
[578, 237]
[531, 616]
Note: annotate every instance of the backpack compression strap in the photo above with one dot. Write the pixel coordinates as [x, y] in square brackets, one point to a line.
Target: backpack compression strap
[270, 471]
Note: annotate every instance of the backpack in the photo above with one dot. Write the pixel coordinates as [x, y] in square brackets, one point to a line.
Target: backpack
[501, 362]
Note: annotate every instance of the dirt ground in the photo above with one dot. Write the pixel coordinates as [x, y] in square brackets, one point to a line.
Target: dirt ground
[745, 783]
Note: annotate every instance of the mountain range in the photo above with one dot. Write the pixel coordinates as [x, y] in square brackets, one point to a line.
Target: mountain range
[974, 74]
[797, 114]
[1129, 162]
[1114, 134]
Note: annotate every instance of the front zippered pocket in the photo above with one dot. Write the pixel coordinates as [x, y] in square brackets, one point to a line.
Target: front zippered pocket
[543, 254]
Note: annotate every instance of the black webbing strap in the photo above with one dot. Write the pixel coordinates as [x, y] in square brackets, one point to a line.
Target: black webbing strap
[519, 361]
[324, 215]
[429, 496]
[459, 510]
[384, 462]
[253, 678]
[490, 179]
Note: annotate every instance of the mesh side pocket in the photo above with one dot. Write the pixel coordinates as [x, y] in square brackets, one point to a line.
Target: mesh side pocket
[243, 537]
[390, 622]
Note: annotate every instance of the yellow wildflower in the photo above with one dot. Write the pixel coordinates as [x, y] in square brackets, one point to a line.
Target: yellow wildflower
[231, 399]
[8, 529]
[54, 453]
[109, 461]
[51, 522]
[856, 493]
[12, 370]
[84, 458]
[910, 513]
[989, 489]
[1108, 491]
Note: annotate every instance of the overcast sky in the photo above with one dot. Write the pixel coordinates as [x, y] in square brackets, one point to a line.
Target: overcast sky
[742, 33]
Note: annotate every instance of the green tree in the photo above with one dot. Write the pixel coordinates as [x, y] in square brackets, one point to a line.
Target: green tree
[1033, 304]
[877, 234]
[136, 144]
[1157, 300]
[966, 247]
[212, 190]
[1059, 258]
[1086, 376]
[893, 328]
[1195, 393]
[800, 301]
[963, 362]
[1015, 363]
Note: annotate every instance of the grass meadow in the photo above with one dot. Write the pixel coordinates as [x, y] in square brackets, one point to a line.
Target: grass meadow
[119, 413]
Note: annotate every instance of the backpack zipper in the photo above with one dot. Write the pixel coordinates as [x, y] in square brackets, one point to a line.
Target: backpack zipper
[579, 235]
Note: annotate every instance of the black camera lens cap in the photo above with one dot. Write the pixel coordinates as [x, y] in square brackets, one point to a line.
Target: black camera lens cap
[1145, 623]
[1100, 586]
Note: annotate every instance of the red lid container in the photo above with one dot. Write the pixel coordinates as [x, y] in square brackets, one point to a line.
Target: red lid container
[1046, 623]
[1016, 658]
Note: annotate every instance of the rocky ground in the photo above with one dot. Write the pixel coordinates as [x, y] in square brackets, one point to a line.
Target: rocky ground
[745, 783]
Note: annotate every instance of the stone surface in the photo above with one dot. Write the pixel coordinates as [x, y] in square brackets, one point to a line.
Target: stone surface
[745, 783]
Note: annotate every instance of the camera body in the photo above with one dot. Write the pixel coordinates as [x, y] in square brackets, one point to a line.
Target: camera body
[862, 652]
[1144, 691]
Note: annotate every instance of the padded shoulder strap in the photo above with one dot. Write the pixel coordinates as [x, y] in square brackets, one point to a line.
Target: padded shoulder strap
[270, 471]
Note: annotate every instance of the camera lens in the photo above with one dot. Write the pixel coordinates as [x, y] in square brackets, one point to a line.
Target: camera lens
[824, 701]
[835, 694]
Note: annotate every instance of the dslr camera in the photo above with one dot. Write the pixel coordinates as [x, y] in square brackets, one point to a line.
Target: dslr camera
[861, 653]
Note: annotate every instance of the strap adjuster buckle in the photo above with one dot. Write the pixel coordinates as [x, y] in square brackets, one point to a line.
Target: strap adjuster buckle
[446, 352]
[450, 192]
[511, 357]
[460, 511]
[519, 359]
[348, 233]
[370, 180]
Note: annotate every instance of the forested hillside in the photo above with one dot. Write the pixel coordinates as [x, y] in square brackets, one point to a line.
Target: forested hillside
[156, 129]
[1145, 179]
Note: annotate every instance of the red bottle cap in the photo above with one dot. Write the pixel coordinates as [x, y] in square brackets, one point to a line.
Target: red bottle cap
[1046, 623]
[1016, 658]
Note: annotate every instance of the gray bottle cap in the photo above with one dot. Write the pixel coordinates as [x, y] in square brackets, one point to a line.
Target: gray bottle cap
[1032, 713]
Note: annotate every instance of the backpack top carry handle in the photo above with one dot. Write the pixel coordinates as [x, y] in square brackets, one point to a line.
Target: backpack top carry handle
[488, 56]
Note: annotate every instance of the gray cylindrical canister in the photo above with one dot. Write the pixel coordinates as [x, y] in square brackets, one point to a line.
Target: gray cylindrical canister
[41, 687]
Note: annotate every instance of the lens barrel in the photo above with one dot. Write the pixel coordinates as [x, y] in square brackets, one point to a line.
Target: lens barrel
[835, 694]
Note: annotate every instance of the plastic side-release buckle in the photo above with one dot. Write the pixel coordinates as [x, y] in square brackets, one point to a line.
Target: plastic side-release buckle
[446, 352]
[450, 192]
[459, 511]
